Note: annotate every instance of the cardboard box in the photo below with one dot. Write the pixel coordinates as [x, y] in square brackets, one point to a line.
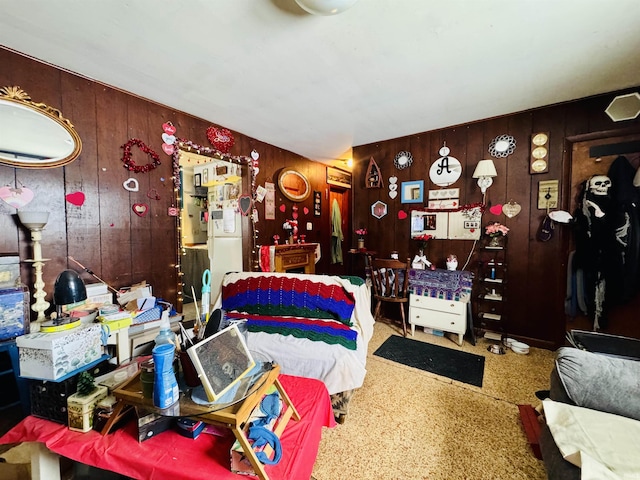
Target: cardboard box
[50, 356]
[14, 312]
[80, 409]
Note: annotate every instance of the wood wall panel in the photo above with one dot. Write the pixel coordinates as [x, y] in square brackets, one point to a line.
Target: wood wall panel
[537, 270]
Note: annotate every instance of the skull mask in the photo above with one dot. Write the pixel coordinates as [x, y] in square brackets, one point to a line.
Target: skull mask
[599, 185]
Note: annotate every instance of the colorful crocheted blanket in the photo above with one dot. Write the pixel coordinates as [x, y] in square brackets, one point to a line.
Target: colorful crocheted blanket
[318, 309]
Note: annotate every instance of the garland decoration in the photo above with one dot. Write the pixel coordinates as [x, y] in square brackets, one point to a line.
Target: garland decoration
[130, 165]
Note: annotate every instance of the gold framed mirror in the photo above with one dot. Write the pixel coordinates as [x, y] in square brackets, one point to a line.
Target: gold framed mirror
[34, 135]
[294, 185]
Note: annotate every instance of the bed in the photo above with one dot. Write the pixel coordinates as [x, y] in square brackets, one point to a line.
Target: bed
[315, 326]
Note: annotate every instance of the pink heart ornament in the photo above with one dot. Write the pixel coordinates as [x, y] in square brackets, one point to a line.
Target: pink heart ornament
[496, 209]
[75, 198]
[305, 210]
[168, 149]
[16, 197]
[140, 209]
[283, 208]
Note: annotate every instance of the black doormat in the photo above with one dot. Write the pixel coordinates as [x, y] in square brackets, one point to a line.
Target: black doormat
[461, 366]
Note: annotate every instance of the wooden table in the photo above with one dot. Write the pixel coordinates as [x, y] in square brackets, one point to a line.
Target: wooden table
[234, 417]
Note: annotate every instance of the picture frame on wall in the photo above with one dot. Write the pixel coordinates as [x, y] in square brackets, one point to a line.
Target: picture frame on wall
[412, 192]
[197, 180]
[340, 178]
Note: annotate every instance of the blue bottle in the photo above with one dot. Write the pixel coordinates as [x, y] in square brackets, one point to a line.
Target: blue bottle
[165, 386]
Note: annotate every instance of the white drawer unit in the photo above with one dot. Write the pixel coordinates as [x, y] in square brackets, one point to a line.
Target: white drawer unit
[445, 315]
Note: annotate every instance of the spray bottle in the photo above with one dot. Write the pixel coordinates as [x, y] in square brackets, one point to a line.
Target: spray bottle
[166, 335]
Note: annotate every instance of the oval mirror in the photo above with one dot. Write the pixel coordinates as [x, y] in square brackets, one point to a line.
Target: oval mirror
[34, 135]
[294, 185]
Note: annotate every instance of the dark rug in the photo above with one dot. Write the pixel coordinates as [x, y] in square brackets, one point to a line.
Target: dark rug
[461, 366]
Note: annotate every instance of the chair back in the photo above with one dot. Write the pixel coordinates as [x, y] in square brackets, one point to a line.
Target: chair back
[390, 279]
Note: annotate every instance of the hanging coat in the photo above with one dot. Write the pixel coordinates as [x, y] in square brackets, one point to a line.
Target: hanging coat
[336, 233]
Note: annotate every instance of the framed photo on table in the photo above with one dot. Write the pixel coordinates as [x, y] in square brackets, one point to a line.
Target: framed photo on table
[221, 361]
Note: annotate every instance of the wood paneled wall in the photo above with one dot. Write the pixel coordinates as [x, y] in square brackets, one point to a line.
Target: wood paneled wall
[104, 234]
[536, 270]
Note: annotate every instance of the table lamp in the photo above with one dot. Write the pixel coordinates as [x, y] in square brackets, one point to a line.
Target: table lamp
[36, 221]
[68, 290]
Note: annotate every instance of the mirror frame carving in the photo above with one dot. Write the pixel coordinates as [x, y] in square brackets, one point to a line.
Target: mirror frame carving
[18, 96]
[294, 198]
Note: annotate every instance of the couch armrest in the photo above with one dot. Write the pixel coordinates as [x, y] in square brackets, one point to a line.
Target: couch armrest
[600, 382]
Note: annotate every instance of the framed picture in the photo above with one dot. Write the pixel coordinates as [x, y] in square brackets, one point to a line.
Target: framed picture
[197, 180]
[317, 203]
[205, 175]
[412, 192]
[221, 361]
[338, 177]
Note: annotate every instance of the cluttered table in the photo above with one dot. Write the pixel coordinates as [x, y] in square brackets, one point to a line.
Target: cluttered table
[171, 455]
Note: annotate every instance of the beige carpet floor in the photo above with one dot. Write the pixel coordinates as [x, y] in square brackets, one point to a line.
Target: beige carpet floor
[408, 424]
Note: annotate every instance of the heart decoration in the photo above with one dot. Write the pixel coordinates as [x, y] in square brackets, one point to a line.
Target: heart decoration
[496, 209]
[393, 194]
[221, 138]
[283, 208]
[75, 198]
[16, 197]
[402, 215]
[245, 204]
[305, 210]
[393, 180]
[168, 149]
[393, 187]
[131, 185]
[140, 209]
[170, 139]
[255, 155]
[153, 194]
[511, 209]
[294, 215]
[168, 128]
[173, 211]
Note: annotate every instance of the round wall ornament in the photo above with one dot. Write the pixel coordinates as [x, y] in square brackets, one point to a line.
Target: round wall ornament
[130, 165]
[221, 138]
[403, 160]
[502, 146]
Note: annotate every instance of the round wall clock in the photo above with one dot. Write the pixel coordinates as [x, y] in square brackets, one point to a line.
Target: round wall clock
[403, 160]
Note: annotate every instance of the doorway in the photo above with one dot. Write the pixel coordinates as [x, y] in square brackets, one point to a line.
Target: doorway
[593, 155]
[342, 197]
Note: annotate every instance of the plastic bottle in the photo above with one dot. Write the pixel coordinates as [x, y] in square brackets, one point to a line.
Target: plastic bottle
[165, 385]
[165, 335]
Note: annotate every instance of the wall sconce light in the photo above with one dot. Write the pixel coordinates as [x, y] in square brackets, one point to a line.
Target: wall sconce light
[484, 172]
[325, 7]
[36, 221]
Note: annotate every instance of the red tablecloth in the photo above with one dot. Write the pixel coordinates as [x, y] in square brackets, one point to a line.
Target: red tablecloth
[170, 455]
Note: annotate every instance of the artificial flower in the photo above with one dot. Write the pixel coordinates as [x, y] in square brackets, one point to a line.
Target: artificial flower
[496, 229]
[361, 232]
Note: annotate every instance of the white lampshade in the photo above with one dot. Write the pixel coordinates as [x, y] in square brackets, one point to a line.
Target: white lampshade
[325, 7]
[33, 220]
[485, 168]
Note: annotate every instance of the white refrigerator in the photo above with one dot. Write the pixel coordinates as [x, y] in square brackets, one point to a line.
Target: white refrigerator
[224, 231]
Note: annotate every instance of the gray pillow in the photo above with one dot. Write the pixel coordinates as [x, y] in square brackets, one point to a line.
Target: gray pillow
[600, 382]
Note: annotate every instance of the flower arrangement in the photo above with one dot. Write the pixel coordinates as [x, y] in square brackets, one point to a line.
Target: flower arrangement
[361, 232]
[496, 229]
[422, 240]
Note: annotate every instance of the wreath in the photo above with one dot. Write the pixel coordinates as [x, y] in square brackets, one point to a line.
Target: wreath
[130, 165]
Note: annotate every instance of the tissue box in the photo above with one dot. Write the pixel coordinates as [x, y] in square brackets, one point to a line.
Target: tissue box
[80, 409]
[50, 356]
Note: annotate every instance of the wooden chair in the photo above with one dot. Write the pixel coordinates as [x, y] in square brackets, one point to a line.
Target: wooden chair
[390, 279]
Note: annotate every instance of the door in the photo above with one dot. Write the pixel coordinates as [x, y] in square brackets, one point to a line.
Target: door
[342, 197]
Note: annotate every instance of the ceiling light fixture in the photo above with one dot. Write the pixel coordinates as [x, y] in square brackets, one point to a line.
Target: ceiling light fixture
[325, 7]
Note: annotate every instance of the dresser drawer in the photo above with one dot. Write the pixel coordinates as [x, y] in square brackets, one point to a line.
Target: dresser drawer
[437, 304]
[446, 315]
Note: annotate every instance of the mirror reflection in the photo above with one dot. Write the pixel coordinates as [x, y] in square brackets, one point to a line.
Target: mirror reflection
[294, 185]
[34, 135]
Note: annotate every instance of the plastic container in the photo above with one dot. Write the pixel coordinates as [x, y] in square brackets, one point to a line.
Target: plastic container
[165, 385]
[147, 369]
[165, 335]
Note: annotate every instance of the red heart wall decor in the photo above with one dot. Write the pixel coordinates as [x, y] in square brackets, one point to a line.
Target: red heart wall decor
[75, 198]
[402, 214]
[496, 209]
[305, 210]
[221, 138]
[283, 208]
[168, 149]
[169, 128]
[140, 209]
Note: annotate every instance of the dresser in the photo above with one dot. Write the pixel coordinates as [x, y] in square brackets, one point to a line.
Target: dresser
[439, 299]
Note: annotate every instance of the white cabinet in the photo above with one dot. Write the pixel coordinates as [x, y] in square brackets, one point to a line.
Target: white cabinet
[445, 315]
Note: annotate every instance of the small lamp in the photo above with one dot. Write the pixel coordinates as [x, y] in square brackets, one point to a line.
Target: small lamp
[484, 172]
[68, 289]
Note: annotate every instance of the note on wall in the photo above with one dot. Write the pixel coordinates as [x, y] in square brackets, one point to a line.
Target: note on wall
[270, 201]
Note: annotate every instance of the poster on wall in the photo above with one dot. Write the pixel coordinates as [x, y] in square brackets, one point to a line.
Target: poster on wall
[270, 201]
[317, 203]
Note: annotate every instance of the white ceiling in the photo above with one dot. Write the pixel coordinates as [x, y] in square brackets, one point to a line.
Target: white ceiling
[318, 85]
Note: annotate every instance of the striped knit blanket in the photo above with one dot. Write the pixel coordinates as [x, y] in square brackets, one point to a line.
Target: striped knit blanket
[314, 307]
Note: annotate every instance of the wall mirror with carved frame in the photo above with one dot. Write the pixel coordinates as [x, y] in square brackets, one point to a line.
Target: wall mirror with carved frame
[34, 135]
[294, 185]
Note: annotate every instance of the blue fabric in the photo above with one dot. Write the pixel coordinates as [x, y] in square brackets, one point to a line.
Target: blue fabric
[261, 437]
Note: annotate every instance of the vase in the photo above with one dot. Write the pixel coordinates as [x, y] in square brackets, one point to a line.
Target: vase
[495, 242]
[361, 244]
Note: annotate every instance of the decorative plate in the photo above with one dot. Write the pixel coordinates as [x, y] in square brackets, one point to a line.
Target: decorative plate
[403, 160]
[502, 146]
